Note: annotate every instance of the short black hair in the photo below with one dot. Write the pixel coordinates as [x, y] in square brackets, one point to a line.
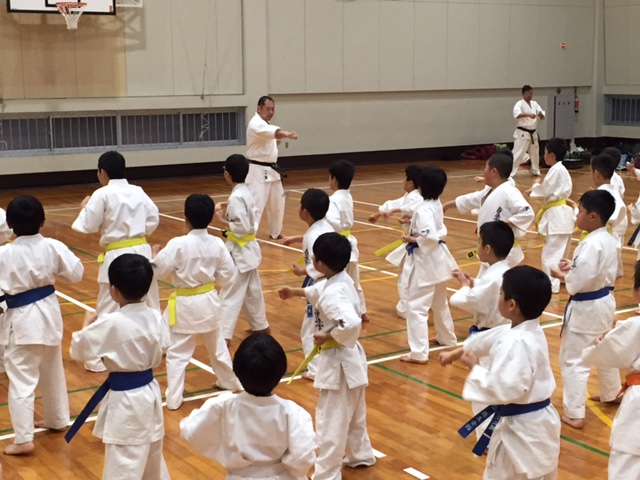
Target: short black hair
[600, 202]
[132, 275]
[527, 88]
[113, 163]
[529, 287]
[636, 276]
[342, 171]
[502, 163]
[499, 236]
[316, 202]
[615, 155]
[332, 249]
[199, 209]
[412, 173]
[431, 182]
[237, 166]
[264, 99]
[603, 164]
[260, 363]
[505, 151]
[558, 147]
[25, 215]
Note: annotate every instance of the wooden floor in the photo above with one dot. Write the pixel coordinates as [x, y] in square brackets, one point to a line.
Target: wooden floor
[414, 410]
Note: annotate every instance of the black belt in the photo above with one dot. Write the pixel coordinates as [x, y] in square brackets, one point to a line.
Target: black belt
[530, 132]
[274, 165]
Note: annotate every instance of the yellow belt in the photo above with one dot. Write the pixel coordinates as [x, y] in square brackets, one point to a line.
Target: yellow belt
[316, 350]
[242, 241]
[585, 233]
[185, 292]
[389, 248]
[345, 233]
[129, 242]
[474, 253]
[557, 203]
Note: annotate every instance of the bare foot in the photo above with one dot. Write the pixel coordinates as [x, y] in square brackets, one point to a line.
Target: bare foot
[615, 401]
[265, 330]
[306, 376]
[19, 449]
[364, 317]
[42, 424]
[408, 359]
[576, 423]
[279, 237]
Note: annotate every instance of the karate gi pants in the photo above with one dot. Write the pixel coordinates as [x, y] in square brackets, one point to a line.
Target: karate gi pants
[555, 248]
[403, 291]
[420, 301]
[575, 374]
[623, 466]
[502, 468]
[341, 426]
[354, 272]
[244, 290]
[28, 367]
[180, 353]
[134, 462]
[521, 146]
[269, 195]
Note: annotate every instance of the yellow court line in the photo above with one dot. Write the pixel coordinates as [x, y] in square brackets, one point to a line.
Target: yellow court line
[597, 412]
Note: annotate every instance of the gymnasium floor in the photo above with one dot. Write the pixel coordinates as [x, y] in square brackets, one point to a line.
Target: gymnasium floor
[414, 411]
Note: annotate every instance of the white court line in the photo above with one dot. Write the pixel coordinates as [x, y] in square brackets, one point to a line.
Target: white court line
[415, 473]
[378, 454]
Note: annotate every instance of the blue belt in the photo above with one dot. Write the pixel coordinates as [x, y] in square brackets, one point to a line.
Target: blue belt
[496, 411]
[118, 381]
[634, 236]
[1, 298]
[30, 296]
[473, 329]
[583, 297]
[307, 282]
[412, 246]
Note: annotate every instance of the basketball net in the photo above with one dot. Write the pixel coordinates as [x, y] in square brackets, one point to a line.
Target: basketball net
[71, 12]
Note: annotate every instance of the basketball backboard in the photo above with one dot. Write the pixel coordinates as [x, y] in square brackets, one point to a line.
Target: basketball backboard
[95, 7]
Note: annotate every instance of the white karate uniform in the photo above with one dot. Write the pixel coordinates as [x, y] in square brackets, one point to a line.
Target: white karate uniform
[557, 223]
[523, 143]
[407, 204]
[505, 203]
[308, 320]
[427, 271]
[340, 217]
[618, 222]
[193, 260]
[524, 446]
[5, 234]
[617, 183]
[130, 422]
[264, 182]
[341, 415]
[244, 289]
[620, 349]
[32, 335]
[594, 267]
[253, 437]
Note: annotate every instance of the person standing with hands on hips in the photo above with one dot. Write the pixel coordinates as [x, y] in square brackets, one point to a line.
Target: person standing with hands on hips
[527, 112]
[265, 177]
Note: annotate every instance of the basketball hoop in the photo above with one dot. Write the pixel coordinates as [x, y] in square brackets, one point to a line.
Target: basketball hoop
[71, 12]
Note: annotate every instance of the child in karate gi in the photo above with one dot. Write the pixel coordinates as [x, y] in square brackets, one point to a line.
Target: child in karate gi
[616, 180]
[197, 262]
[428, 267]
[340, 217]
[499, 200]
[555, 221]
[589, 279]
[130, 342]
[341, 416]
[239, 216]
[602, 170]
[314, 205]
[619, 348]
[255, 434]
[517, 383]
[404, 205]
[5, 234]
[32, 325]
[124, 214]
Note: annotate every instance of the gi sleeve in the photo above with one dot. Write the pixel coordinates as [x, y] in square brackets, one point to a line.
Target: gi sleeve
[91, 217]
[301, 454]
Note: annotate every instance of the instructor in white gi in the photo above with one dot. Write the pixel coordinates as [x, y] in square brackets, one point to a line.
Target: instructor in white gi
[527, 112]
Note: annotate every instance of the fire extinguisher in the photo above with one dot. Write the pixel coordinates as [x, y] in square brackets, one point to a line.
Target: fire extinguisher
[576, 101]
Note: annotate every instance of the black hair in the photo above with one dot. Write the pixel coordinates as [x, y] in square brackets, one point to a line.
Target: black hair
[558, 147]
[615, 155]
[505, 151]
[237, 166]
[342, 171]
[412, 173]
[316, 202]
[132, 275]
[527, 88]
[113, 163]
[502, 163]
[199, 209]
[260, 363]
[264, 99]
[25, 215]
[499, 236]
[332, 249]
[600, 202]
[431, 182]
[529, 287]
[603, 164]
[636, 276]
